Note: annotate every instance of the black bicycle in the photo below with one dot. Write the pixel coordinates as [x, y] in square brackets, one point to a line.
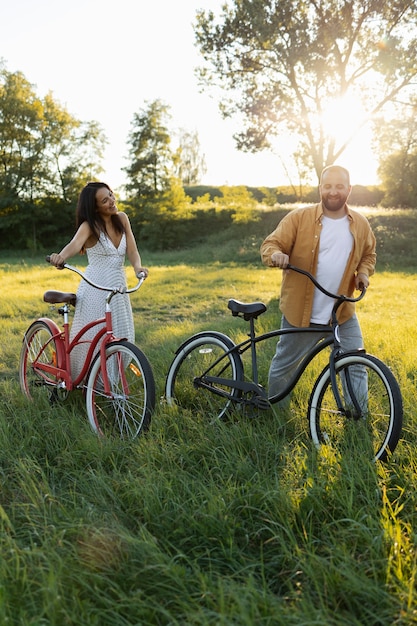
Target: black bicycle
[355, 400]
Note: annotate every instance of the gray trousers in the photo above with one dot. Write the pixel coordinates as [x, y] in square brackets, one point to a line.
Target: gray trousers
[292, 347]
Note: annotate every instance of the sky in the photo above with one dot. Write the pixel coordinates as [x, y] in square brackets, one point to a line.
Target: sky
[104, 60]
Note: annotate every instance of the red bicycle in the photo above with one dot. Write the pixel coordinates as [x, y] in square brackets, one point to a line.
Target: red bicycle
[116, 376]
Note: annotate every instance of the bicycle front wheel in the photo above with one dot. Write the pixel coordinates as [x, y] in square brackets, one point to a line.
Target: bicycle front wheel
[39, 352]
[204, 355]
[125, 411]
[371, 419]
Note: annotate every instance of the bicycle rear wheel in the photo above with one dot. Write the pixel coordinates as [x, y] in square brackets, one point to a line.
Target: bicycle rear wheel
[371, 420]
[38, 349]
[204, 354]
[127, 410]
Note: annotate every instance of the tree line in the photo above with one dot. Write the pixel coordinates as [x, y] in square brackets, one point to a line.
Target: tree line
[279, 66]
[47, 155]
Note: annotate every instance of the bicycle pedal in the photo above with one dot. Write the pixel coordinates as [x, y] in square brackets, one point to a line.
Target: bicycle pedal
[261, 403]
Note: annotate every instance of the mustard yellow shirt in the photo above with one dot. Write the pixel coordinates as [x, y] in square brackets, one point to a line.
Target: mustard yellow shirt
[298, 235]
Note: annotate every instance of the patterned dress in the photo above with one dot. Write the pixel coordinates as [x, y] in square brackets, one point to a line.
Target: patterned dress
[106, 268]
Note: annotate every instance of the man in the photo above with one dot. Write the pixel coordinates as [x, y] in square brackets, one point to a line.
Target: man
[337, 246]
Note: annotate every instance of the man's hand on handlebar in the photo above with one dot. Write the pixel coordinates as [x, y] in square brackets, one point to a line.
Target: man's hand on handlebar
[279, 259]
[361, 281]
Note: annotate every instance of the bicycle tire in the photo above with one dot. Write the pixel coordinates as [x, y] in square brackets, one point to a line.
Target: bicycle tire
[39, 346]
[377, 429]
[127, 411]
[193, 358]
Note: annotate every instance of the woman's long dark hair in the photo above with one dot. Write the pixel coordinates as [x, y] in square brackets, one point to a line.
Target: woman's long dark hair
[87, 210]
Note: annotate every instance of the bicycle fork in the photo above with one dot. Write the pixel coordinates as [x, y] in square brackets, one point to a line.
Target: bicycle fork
[349, 391]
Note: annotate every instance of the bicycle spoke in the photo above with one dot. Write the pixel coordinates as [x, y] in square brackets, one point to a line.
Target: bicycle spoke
[370, 419]
[39, 351]
[201, 356]
[126, 410]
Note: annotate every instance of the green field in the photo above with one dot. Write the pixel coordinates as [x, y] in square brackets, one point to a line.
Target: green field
[237, 523]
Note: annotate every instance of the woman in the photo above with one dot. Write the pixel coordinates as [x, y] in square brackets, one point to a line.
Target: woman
[105, 234]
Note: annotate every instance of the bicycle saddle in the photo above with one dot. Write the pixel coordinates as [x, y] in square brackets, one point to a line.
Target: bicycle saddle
[249, 310]
[55, 297]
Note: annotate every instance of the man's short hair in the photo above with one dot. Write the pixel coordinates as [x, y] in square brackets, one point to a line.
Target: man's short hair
[336, 167]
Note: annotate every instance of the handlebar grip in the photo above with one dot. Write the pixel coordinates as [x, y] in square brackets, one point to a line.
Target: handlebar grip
[48, 260]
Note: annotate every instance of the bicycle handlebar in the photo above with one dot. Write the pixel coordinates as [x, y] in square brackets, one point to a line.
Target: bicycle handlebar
[141, 277]
[340, 297]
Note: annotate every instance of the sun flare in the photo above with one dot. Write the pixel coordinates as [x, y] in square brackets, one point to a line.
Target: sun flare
[342, 117]
[345, 121]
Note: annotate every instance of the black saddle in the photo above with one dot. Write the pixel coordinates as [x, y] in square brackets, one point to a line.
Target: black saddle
[248, 311]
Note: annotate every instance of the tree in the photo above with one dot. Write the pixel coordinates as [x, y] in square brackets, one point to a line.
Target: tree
[166, 218]
[73, 151]
[44, 150]
[240, 201]
[46, 155]
[157, 201]
[21, 141]
[398, 162]
[150, 152]
[190, 164]
[303, 68]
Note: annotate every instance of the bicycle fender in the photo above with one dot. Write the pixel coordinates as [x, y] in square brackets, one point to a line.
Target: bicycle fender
[351, 353]
[53, 326]
[56, 332]
[206, 333]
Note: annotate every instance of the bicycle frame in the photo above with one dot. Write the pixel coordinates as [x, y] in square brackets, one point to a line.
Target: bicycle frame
[62, 369]
[206, 381]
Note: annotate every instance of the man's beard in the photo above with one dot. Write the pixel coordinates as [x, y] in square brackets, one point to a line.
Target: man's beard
[334, 204]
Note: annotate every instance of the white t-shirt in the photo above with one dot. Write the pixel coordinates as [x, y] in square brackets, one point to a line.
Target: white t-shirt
[335, 246]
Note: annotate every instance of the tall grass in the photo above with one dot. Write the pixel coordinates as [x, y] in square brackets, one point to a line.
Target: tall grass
[238, 523]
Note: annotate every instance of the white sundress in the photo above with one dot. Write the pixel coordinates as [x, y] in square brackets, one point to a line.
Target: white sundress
[106, 268]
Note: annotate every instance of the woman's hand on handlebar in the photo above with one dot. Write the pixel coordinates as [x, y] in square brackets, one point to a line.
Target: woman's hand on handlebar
[57, 260]
[142, 272]
[279, 259]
